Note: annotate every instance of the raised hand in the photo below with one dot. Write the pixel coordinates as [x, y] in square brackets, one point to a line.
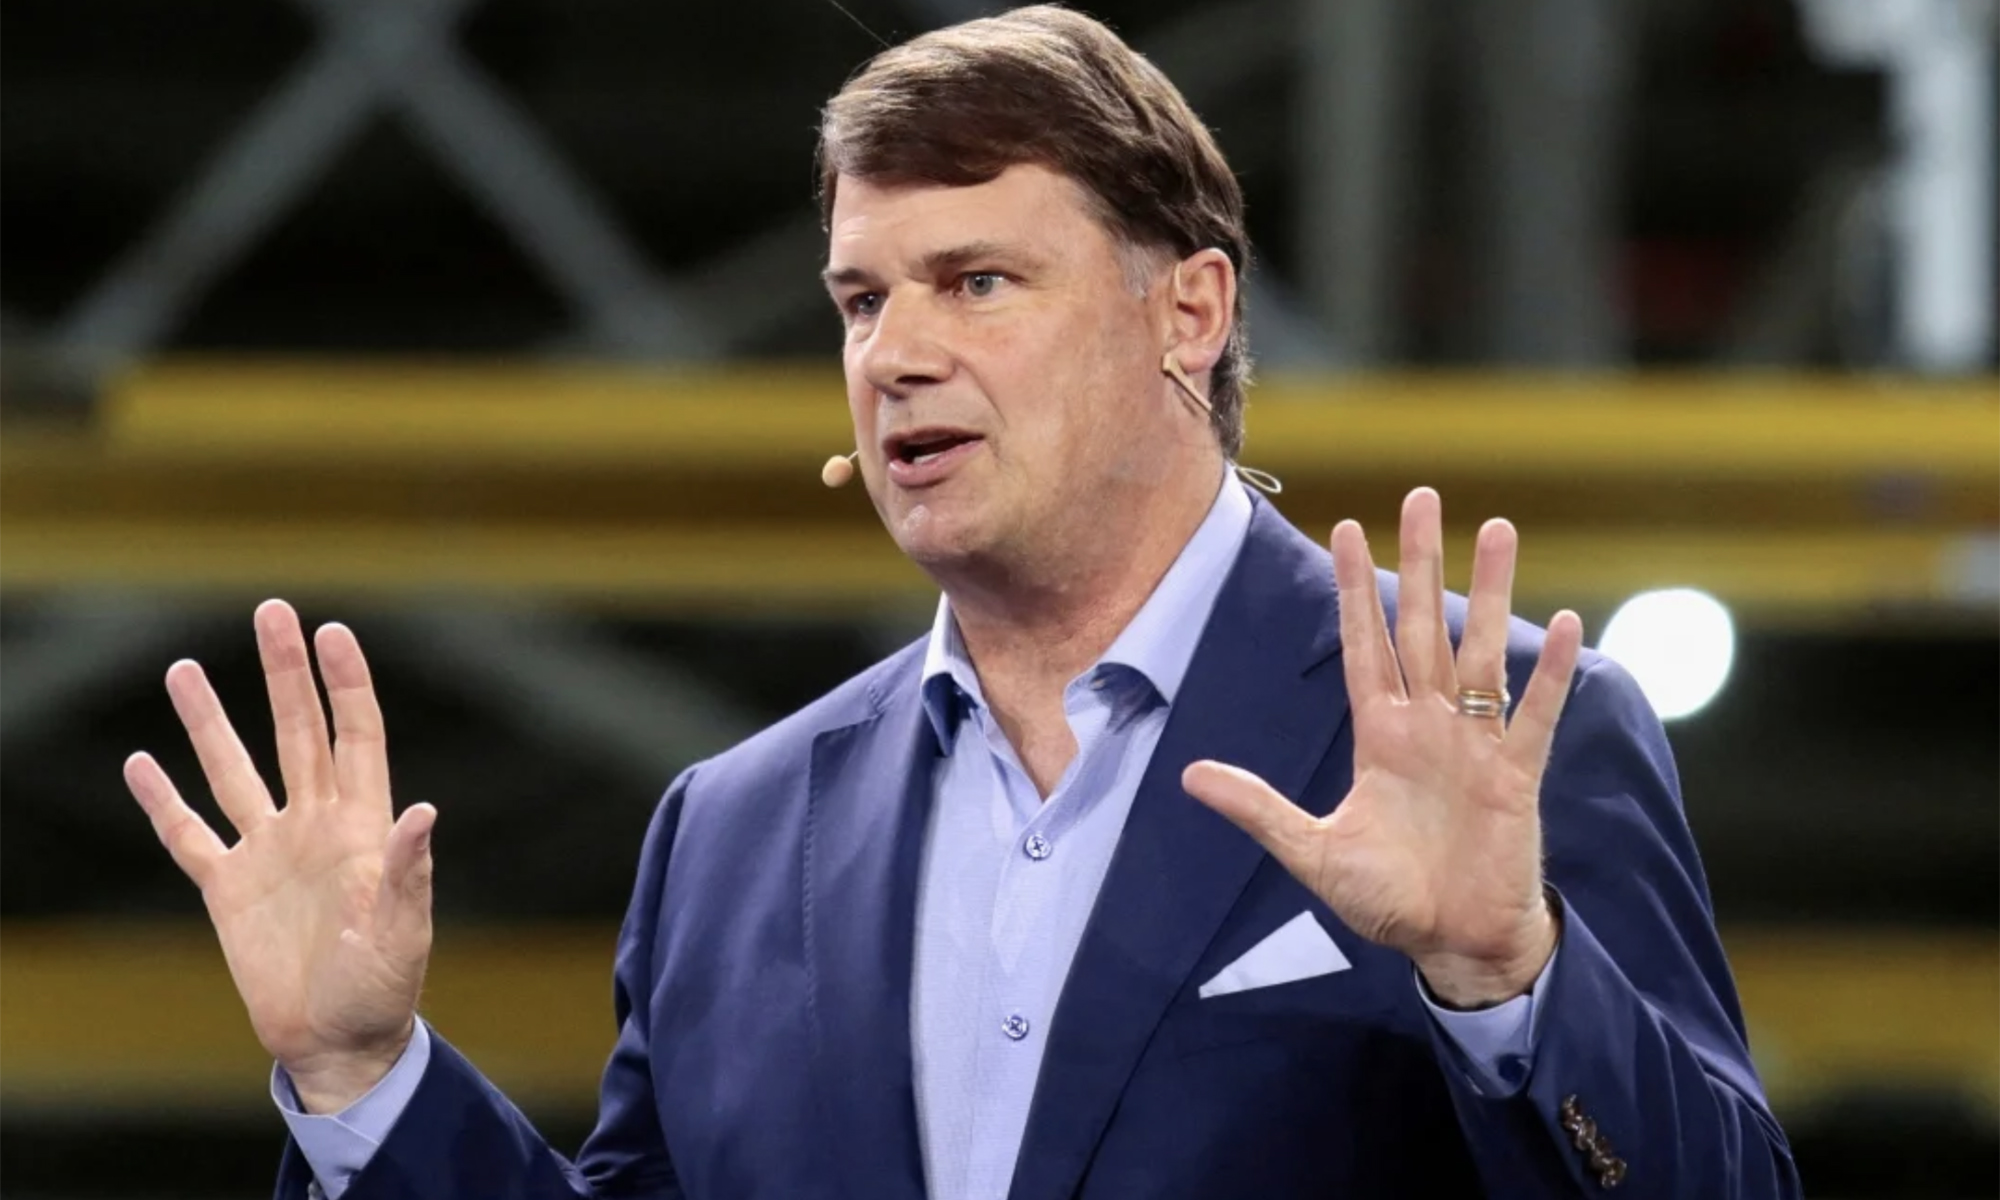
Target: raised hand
[323, 907]
[1437, 849]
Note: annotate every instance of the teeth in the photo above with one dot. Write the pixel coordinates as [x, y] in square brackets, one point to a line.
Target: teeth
[924, 458]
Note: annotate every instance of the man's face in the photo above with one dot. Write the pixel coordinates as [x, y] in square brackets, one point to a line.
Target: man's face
[1002, 372]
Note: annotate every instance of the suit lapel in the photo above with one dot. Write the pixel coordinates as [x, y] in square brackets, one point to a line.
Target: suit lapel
[1251, 698]
[870, 792]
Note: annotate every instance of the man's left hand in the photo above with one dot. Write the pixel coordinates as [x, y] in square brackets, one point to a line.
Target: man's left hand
[1437, 849]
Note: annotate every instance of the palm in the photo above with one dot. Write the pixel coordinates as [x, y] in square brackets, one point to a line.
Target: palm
[1436, 850]
[298, 882]
[322, 907]
[1403, 863]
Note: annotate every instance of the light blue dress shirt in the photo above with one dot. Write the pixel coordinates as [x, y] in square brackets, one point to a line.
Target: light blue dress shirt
[1008, 881]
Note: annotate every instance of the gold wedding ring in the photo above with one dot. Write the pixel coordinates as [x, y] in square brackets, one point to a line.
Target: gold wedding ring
[1473, 702]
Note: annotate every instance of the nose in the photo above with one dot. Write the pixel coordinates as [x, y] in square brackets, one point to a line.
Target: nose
[903, 351]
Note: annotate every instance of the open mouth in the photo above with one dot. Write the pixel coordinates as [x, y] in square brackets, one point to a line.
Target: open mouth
[921, 458]
[925, 447]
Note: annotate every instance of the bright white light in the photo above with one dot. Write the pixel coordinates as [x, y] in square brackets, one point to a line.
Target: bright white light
[1677, 643]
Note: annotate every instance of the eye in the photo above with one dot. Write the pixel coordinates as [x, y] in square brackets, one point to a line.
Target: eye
[863, 304]
[981, 284]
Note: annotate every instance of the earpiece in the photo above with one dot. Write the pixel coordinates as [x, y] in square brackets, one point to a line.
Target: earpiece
[839, 470]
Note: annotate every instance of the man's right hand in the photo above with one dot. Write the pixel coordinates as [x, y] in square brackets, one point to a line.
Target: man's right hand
[323, 907]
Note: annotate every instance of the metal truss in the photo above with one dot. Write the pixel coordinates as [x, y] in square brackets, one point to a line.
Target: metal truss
[395, 55]
[544, 676]
[398, 56]
[550, 675]
[68, 654]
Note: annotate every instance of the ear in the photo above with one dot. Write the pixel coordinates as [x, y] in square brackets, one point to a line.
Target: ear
[1201, 295]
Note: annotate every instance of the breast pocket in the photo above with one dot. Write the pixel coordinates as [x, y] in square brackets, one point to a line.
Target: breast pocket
[1320, 1013]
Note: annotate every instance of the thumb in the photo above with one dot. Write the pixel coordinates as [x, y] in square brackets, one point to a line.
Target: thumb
[1254, 806]
[403, 905]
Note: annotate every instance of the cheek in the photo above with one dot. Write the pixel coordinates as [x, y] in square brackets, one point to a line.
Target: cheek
[1114, 363]
[1012, 369]
[1050, 389]
[860, 398]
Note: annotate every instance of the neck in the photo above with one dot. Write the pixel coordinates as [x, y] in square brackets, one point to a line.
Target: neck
[1029, 637]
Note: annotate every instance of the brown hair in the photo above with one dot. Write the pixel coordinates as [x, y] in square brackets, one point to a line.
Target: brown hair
[1052, 87]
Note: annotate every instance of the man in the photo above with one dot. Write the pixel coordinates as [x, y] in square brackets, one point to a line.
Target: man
[976, 924]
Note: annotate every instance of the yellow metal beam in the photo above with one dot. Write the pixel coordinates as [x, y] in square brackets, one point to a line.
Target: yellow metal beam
[1798, 500]
[1675, 426]
[139, 1017]
[1778, 576]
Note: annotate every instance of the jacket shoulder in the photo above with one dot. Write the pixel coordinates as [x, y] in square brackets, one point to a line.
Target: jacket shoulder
[781, 751]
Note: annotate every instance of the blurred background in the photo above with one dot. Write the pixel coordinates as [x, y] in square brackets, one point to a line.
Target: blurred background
[493, 328]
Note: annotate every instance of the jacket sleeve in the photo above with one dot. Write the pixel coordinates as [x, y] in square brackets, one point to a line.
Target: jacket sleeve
[461, 1139]
[1641, 1078]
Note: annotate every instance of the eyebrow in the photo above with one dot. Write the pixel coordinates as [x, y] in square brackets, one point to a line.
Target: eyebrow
[948, 261]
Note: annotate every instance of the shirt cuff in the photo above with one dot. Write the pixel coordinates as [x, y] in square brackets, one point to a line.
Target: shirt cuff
[339, 1145]
[1496, 1046]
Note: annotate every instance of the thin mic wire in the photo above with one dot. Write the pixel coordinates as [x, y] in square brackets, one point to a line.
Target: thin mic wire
[858, 23]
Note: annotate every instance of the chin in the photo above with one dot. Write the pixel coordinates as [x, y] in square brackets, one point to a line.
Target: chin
[936, 536]
[927, 545]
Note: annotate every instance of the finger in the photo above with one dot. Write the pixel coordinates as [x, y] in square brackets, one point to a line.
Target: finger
[1422, 644]
[1258, 809]
[1532, 731]
[1482, 650]
[403, 904]
[1364, 631]
[231, 775]
[360, 748]
[305, 759]
[192, 844]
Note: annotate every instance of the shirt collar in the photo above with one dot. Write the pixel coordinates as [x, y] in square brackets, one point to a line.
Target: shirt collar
[1158, 643]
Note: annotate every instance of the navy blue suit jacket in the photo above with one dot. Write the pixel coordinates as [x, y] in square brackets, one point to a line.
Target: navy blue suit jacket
[762, 984]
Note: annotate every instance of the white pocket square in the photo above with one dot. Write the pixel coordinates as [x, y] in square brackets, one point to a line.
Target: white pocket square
[1299, 949]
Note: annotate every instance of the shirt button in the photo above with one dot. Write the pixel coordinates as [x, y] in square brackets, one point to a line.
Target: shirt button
[1038, 847]
[1015, 1027]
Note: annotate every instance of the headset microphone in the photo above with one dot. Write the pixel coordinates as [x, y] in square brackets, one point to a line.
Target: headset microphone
[839, 470]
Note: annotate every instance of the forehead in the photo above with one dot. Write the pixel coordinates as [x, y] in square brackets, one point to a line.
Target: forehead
[1026, 204]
